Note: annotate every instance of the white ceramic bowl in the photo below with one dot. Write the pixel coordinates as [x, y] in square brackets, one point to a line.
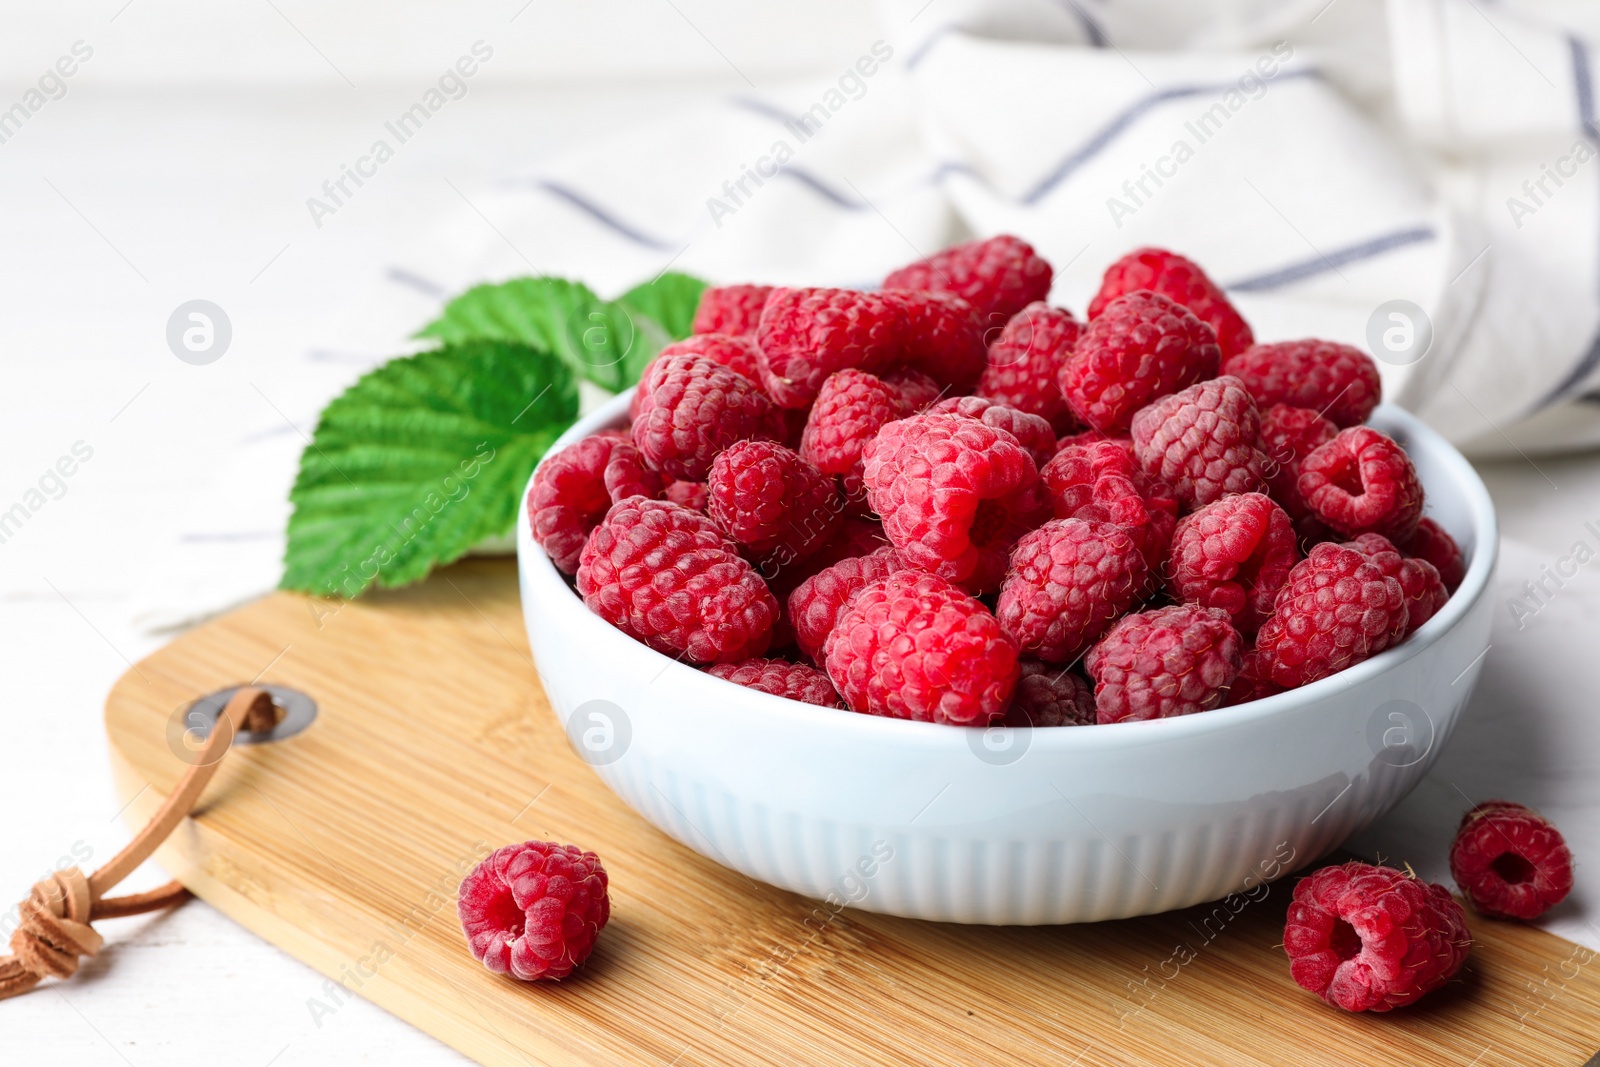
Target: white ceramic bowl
[1071, 824]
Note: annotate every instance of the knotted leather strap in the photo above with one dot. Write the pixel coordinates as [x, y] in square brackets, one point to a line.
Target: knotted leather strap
[55, 928]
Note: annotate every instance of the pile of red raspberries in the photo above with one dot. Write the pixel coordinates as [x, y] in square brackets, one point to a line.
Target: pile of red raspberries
[944, 499]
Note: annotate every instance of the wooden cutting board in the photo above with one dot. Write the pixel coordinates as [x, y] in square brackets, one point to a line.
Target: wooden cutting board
[343, 845]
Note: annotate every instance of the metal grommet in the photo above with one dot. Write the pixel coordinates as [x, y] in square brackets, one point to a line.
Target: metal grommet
[299, 711]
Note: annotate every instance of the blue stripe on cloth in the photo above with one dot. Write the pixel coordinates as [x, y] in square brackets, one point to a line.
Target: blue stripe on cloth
[1322, 264]
[927, 44]
[1091, 28]
[604, 217]
[762, 108]
[817, 186]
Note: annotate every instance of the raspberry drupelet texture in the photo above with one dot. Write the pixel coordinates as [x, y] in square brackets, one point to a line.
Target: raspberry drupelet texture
[732, 309]
[1334, 380]
[1182, 281]
[670, 577]
[1432, 543]
[1248, 684]
[1289, 435]
[1141, 347]
[1031, 431]
[1234, 554]
[942, 337]
[915, 389]
[913, 646]
[1049, 694]
[850, 409]
[1023, 367]
[1164, 662]
[534, 910]
[1068, 581]
[1510, 861]
[689, 494]
[815, 604]
[780, 678]
[774, 504]
[1202, 442]
[998, 276]
[808, 334]
[1336, 609]
[1102, 482]
[692, 409]
[1367, 938]
[738, 354]
[1424, 591]
[954, 495]
[573, 489]
[1362, 482]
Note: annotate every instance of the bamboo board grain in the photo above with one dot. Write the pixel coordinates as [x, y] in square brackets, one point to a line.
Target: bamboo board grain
[434, 742]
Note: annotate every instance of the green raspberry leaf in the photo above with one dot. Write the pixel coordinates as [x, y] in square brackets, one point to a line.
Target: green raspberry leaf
[420, 460]
[670, 300]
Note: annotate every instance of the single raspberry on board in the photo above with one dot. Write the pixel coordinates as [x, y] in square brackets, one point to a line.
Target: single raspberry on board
[776, 505]
[1234, 554]
[1432, 543]
[1023, 367]
[573, 489]
[1031, 431]
[816, 603]
[1182, 281]
[998, 276]
[1334, 380]
[954, 495]
[1102, 482]
[1362, 481]
[1367, 938]
[670, 577]
[1336, 609]
[915, 389]
[1140, 348]
[1202, 442]
[808, 334]
[1289, 435]
[1248, 684]
[1068, 581]
[851, 407]
[733, 309]
[943, 336]
[689, 494]
[1510, 861]
[1049, 694]
[1164, 662]
[534, 910]
[913, 646]
[780, 678]
[1420, 582]
[692, 409]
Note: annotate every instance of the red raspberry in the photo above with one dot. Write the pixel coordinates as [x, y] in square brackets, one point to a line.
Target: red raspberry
[1334, 380]
[1367, 938]
[738, 354]
[1102, 482]
[1068, 581]
[915, 389]
[954, 495]
[808, 334]
[780, 678]
[1248, 685]
[1023, 369]
[1090, 437]
[850, 409]
[1164, 662]
[534, 910]
[669, 577]
[1141, 347]
[573, 488]
[1432, 543]
[999, 276]
[1049, 694]
[1234, 554]
[816, 603]
[913, 646]
[1336, 609]
[773, 503]
[1510, 861]
[1031, 431]
[1419, 581]
[1362, 482]
[689, 494]
[733, 309]
[693, 408]
[943, 337]
[1289, 435]
[1202, 442]
[1182, 281]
